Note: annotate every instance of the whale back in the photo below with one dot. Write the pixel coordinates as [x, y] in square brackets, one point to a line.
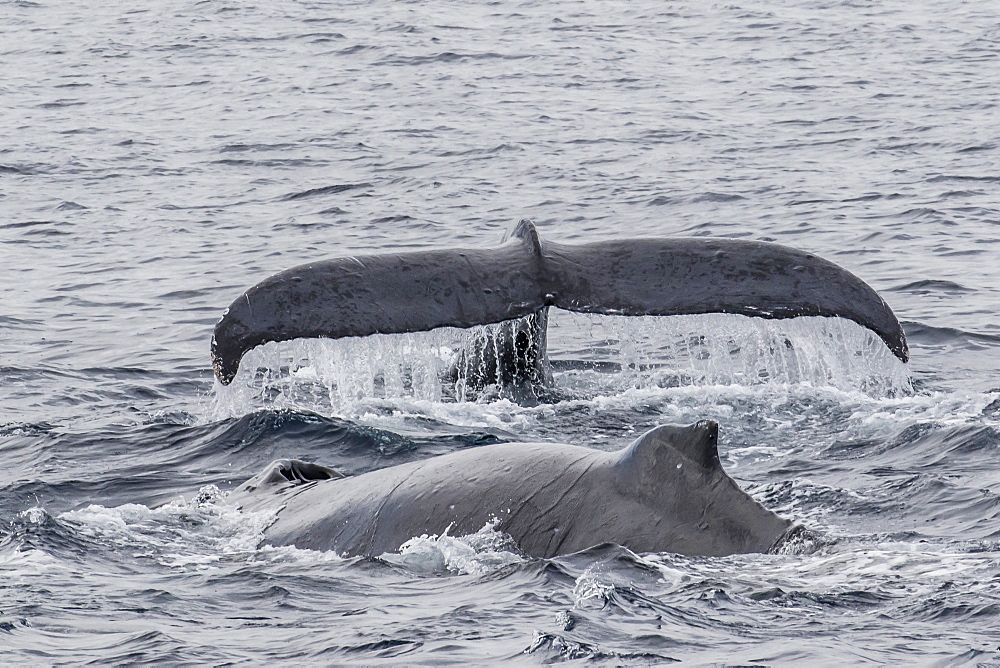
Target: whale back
[666, 492]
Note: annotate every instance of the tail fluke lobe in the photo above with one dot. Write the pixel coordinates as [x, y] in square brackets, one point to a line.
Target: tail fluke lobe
[698, 275]
[388, 294]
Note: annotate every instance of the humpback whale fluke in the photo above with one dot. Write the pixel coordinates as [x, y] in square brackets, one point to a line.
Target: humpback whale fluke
[419, 291]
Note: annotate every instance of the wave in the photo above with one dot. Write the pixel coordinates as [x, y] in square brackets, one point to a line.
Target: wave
[324, 190]
[922, 334]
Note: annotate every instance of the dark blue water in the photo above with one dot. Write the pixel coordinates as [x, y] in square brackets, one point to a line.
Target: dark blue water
[158, 159]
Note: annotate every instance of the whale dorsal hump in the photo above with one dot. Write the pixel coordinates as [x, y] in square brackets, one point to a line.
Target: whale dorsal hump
[669, 447]
[282, 472]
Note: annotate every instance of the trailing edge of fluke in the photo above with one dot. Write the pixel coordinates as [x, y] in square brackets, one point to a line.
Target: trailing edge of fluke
[419, 291]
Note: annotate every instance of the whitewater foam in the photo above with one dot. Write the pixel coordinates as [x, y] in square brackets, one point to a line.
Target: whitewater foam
[479, 553]
[206, 527]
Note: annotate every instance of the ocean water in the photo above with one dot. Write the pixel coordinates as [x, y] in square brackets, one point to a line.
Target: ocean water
[156, 159]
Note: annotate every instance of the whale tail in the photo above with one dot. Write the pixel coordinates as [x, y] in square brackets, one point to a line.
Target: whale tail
[423, 290]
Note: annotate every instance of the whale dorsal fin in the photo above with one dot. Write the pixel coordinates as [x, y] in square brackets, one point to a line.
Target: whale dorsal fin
[526, 232]
[672, 446]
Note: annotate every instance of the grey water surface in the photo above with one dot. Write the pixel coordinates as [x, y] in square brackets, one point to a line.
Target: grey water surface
[156, 159]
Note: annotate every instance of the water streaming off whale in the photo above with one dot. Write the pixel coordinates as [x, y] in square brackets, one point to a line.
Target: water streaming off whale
[591, 355]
